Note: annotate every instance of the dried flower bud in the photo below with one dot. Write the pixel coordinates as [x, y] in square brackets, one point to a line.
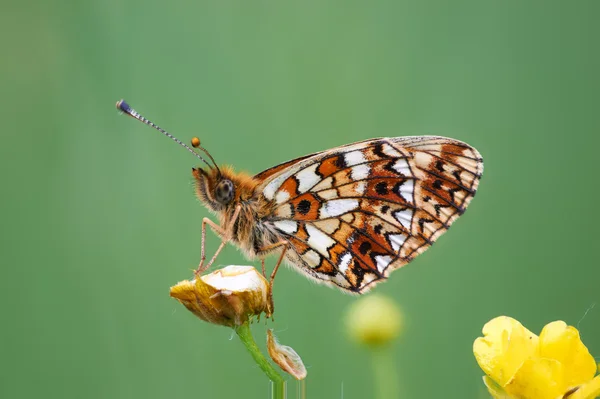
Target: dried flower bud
[374, 320]
[285, 357]
[228, 296]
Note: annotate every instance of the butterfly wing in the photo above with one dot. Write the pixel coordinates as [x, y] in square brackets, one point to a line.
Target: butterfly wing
[355, 213]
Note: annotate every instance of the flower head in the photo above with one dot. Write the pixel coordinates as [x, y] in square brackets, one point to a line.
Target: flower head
[519, 364]
[228, 296]
[374, 320]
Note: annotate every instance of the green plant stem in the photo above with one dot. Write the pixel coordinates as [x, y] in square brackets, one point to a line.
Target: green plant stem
[301, 389]
[385, 373]
[247, 339]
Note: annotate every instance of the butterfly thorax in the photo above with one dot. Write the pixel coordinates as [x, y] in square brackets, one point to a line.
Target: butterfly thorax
[232, 197]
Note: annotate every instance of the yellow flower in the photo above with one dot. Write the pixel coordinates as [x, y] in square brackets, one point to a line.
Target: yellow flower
[228, 297]
[374, 320]
[521, 365]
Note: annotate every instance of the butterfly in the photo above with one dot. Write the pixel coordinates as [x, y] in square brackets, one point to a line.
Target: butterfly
[346, 217]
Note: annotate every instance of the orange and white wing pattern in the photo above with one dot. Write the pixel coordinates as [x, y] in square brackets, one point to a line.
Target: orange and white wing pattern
[355, 213]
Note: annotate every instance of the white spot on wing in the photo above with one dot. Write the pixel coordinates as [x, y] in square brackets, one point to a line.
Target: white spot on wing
[312, 258]
[319, 240]
[337, 207]
[407, 190]
[340, 280]
[307, 178]
[361, 187]
[287, 226]
[360, 172]
[344, 262]
[354, 158]
[397, 240]
[382, 262]
[404, 217]
[391, 151]
[401, 166]
[368, 278]
[282, 196]
[284, 211]
[273, 186]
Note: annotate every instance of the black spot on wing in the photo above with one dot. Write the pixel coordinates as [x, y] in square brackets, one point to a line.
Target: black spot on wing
[340, 162]
[437, 208]
[381, 188]
[390, 168]
[422, 222]
[364, 247]
[456, 175]
[452, 191]
[303, 207]
[378, 150]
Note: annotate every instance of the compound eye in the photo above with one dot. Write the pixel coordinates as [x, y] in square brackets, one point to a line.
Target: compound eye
[224, 192]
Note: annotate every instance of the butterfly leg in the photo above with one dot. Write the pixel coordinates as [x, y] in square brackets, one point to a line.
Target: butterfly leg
[264, 251]
[225, 236]
[262, 264]
[218, 231]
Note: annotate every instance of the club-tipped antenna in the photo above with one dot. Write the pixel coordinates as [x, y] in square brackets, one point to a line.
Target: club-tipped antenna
[124, 107]
[196, 144]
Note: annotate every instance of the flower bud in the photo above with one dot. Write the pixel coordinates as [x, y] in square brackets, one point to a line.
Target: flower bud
[374, 320]
[228, 296]
[285, 357]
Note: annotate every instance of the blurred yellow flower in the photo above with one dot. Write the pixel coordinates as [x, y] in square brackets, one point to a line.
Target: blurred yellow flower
[228, 297]
[521, 365]
[374, 320]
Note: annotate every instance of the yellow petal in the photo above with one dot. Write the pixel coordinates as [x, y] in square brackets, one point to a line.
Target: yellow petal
[494, 389]
[538, 379]
[591, 390]
[506, 344]
[561, 342]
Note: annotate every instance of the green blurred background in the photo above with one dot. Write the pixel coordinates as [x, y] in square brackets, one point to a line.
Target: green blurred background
[99, 216]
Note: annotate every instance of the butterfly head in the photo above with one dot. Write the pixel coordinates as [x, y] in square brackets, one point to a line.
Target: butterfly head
[214, 188]
[222, 189]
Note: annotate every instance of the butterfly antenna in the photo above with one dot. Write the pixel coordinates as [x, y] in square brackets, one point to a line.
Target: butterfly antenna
[196, 144]
[124, 107]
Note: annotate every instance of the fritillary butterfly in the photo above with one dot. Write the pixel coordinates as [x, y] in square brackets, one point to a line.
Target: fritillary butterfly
[347, 216]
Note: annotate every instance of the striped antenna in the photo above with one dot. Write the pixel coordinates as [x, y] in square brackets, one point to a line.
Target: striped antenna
[124, 107]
